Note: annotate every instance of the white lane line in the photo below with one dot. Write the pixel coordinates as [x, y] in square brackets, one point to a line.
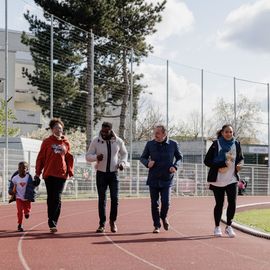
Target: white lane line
[20, 245]
[131, 253]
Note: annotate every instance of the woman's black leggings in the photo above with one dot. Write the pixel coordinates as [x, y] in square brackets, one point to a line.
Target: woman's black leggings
[219, 192]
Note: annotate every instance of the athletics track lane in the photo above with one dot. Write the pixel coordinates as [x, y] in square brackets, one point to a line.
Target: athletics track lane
[188, 245]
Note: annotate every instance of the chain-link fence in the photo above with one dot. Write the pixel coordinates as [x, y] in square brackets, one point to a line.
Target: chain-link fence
[190, 179]
[57, 69]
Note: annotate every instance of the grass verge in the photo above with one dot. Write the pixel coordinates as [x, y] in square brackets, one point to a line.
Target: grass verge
[258, 219]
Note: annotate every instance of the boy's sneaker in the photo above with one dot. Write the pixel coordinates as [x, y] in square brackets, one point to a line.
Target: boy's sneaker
[26, 216]
[20, 228]
[229, 231]
[53, 229]
[217, 232]
[156, 230]
[100, 229]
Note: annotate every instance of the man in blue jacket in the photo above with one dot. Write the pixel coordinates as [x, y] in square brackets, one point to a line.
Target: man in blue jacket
[162, 156]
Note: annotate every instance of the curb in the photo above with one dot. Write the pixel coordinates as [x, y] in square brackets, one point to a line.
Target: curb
[245, 228]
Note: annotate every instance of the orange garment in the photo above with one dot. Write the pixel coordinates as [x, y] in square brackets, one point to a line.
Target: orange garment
[55, 159]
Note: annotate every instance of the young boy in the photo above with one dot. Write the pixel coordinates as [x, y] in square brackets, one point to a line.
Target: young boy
[22, 189]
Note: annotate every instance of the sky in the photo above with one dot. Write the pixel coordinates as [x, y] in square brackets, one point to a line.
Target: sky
[226, 38]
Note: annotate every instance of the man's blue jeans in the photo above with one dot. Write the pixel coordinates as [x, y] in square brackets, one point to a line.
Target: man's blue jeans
[103, 180]
[164, 194]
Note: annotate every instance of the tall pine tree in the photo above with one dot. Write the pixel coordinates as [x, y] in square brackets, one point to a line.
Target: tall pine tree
[125, 23]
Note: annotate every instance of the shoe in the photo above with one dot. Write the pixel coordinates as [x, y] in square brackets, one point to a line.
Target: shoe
[217, 232]
[26, 216]
[229, 231]
[53, 229]
[20, 228]
[113, 227]
[100, 229]
[156, 230]
[166, 224]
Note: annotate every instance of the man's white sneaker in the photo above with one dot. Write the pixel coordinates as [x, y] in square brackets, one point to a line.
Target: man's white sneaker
[217, 232]
[229, 231]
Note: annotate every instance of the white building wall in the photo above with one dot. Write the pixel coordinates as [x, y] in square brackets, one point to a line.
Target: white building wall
[28, 114]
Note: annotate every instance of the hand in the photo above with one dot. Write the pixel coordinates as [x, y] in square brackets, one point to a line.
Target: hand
[100, 157]
[121, 166]
[239, 167]
[151, 163]
[228, 163]
[37, 180]
[172, 170]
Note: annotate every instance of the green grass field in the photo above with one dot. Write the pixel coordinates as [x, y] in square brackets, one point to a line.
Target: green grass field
[257, 219]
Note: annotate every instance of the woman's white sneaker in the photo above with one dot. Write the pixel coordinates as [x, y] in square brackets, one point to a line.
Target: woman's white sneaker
[217, 232]
[229, 231]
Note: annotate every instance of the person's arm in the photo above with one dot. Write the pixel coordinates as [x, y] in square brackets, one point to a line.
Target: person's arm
[12, 185]
[178, 156]
[70, 162]
[123, 156]
[144, 159]
[11, 188]
[40, 159]
[91, 154]
[240, 158]
[210, 157]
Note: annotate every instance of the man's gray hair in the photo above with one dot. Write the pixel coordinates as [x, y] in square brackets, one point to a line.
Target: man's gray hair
[162, 127]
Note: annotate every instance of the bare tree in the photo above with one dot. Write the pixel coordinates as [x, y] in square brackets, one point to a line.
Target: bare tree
[248, 114]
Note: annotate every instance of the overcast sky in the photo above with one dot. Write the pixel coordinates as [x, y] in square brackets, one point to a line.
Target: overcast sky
[229, 37]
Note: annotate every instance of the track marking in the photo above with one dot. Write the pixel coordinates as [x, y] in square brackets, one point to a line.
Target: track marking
[20, 246]
[131, 253]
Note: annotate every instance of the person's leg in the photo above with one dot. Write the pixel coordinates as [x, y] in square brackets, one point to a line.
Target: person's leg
[58, 190]
[165, 204]
[54, 188]
[114, 190]
[26, 208]
[231, 191]
[19, 204]
[154, 194]
[165, 201]
[49, 188]
[102, 196]
[219, 193]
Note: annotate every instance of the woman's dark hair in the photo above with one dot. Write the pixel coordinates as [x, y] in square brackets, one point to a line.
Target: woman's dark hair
[222, 129]
[55, 121]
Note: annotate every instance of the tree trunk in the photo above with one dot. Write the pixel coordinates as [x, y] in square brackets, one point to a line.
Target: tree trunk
[126, 95]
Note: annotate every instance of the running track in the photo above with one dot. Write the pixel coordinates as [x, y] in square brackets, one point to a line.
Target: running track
[189, 243]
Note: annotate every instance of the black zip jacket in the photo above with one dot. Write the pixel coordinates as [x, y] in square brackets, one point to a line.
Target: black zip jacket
[214, 166]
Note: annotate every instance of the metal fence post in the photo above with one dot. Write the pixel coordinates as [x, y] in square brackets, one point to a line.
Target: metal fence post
[131, 122]
[252, 181]
[51, 68]
[196, 179]
[138, 179]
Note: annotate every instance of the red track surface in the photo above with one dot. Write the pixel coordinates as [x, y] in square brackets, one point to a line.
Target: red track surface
[189, 243]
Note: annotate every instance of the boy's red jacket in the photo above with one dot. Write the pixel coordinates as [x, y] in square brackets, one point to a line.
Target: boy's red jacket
[55, 159]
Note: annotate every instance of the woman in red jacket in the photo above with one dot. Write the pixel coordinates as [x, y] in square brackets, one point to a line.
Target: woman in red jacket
[56, 164]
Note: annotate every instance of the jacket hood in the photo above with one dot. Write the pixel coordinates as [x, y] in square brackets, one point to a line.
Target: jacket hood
[113, 138]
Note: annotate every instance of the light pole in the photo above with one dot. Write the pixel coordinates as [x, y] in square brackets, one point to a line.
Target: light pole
[5, 179]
